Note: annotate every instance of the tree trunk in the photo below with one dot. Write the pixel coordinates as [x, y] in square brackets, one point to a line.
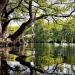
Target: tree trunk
[2, 4]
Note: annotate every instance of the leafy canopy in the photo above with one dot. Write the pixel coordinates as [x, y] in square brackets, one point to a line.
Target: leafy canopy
[26, 12]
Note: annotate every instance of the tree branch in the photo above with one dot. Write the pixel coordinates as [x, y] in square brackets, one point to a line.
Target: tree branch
[45, 15]
[14, 8]
[20, 30]
[30, 8]
[16, 18]
[6, 15]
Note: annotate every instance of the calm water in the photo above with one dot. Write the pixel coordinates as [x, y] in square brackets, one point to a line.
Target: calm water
[43, 54]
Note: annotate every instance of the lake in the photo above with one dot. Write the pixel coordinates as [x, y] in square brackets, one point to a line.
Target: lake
[53, 58]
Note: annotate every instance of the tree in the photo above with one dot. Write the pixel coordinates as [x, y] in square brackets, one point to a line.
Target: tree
[42, 34]
[29, 11]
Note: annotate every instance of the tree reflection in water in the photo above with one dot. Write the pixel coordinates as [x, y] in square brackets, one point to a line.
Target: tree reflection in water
[43, 55]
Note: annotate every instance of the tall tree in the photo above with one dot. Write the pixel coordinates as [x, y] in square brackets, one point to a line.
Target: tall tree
[29, 11]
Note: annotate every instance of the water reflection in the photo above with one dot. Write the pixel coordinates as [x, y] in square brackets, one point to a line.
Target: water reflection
[44, 55]
[17, 50]
[54, 54]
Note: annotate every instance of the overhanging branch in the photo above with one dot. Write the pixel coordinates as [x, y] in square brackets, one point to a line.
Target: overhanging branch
[45, 15]
[20, 30]
[15, 18]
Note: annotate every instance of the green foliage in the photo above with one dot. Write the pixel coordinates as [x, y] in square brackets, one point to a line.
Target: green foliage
[41, 32]
[12, 29]
[36, 9]
[62, 31]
